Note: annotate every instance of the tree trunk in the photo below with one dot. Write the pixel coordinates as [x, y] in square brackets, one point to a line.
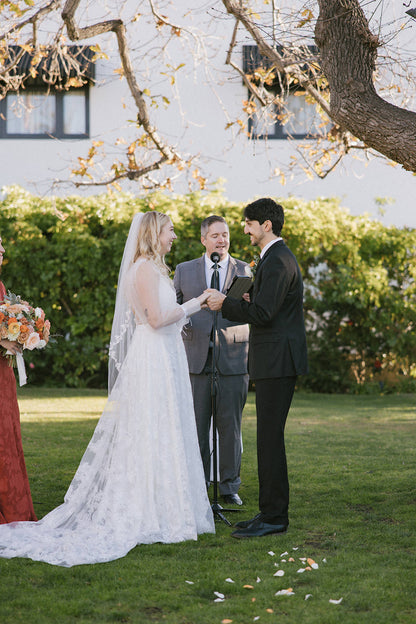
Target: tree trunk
[348, 57]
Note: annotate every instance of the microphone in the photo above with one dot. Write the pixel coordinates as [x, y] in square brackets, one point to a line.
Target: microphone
[215, 257]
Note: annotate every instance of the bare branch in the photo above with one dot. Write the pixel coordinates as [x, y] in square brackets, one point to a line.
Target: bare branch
[284, 65]
[130, 175]
[33, 18]
[168, 154]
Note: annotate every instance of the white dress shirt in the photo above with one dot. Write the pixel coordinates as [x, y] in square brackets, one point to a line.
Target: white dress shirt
[266, 247]
[222, 270]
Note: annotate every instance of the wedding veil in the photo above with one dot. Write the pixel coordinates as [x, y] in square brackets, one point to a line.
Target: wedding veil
[123, 321]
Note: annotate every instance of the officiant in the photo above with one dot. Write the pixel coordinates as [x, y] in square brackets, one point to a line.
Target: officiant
[231, 350]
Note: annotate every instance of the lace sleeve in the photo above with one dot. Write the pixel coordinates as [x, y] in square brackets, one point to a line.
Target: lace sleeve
[143, 292]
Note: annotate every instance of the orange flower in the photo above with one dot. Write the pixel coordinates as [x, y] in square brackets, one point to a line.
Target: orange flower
[1, 317]
[12, 320]
[24, 333]
[39, 324]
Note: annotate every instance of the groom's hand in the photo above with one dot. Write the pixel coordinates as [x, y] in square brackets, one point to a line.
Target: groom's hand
[215, 299]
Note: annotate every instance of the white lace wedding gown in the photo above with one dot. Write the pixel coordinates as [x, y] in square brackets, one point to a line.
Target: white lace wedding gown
[141, 479]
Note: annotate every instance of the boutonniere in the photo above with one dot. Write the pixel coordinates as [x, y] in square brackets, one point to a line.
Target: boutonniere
[253, 265]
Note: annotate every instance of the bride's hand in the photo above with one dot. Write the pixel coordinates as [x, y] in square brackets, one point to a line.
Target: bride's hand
[203, 298]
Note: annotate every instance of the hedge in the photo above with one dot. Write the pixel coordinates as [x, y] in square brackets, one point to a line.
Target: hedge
[63, 254]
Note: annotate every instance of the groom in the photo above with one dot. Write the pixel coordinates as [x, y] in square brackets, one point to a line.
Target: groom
[277, 354]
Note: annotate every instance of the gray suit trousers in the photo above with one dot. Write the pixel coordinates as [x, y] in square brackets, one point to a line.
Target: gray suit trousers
[231, 397]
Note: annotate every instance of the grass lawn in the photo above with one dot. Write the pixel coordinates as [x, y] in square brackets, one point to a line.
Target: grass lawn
[352, 469]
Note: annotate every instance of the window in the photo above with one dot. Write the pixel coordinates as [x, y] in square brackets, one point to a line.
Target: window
[297, 119]
[300, 120]
[41, 110]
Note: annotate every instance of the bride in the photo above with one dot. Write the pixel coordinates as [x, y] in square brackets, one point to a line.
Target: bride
[141, 479]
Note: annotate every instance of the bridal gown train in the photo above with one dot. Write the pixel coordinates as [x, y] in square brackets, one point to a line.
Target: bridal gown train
[141, 479]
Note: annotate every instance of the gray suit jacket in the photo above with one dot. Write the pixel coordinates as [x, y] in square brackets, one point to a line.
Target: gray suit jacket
[232, 345]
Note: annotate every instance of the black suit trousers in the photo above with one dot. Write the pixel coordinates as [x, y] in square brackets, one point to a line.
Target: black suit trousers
[273, 400]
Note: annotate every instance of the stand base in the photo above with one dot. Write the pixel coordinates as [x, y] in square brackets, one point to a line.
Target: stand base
[217, 511]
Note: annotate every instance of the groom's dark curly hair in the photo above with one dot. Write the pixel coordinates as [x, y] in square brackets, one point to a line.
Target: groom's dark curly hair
[266, 209]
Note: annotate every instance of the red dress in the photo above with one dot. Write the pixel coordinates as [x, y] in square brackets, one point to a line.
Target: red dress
[15, 498]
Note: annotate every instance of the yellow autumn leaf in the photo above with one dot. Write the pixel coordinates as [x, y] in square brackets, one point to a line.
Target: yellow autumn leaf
[307, 16]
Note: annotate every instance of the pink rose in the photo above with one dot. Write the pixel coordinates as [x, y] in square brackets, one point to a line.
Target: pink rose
[32, 341]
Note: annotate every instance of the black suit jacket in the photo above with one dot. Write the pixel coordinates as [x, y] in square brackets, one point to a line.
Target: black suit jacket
[277, 344]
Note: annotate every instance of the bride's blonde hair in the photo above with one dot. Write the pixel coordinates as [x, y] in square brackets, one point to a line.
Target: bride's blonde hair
[148, 238]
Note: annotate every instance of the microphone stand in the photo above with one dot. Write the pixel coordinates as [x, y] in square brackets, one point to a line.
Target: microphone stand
[216, 507]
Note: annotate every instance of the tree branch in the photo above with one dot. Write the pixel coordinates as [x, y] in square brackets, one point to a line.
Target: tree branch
[131, 174]
[168, 154]
[348, 55]
[33, 19]
[284, 65]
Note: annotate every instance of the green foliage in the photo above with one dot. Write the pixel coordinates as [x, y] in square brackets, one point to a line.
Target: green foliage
[63, 254]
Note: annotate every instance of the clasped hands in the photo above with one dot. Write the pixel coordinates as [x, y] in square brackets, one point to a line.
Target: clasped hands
[211, 299]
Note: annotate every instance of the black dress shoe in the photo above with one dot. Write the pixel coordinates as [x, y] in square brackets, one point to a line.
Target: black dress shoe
[232, 499]
[259, 529]
[243, 524]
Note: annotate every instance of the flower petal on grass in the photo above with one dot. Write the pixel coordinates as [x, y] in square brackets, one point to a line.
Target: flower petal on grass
[271, 553]
[256, 618]
[248, 587]
[308, 596]
[269, 611]
[291, 559]
[226, 621]
[284, 554]
[190, 582]
[295, 548]
[258, 580]
[285, 592]
[313, 564]
[301, 570]
[279, 573]
[219, 595]
[333, 601]
[219, 600]
[229, 580]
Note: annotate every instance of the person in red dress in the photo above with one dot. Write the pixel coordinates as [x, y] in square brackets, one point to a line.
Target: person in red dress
[15, 498]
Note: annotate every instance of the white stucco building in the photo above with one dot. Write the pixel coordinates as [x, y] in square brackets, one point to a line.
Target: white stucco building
[39, 147]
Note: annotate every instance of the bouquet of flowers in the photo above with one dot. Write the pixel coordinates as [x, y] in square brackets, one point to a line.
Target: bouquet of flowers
[21, 322]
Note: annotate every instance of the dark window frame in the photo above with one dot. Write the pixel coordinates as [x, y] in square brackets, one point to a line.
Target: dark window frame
[59, 112]
[252, 59]
[84, 55]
